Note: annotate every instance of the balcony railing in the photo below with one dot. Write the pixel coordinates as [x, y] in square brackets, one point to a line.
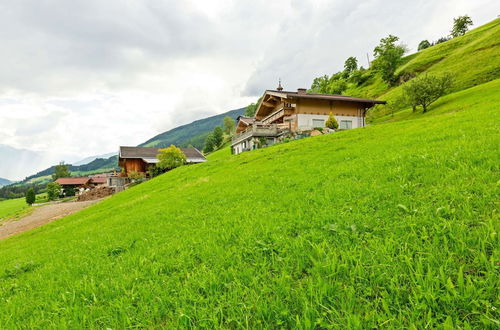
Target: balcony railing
[257, 130]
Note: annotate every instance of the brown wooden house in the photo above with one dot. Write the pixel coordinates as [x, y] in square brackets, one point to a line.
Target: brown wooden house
[139, 159]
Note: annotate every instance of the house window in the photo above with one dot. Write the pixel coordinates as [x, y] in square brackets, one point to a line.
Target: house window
[318, 123]
[345, 124]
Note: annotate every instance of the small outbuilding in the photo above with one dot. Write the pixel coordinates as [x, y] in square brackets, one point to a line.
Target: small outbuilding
[139, 159]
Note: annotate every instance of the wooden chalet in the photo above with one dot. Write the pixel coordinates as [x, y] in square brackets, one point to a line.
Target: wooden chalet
[289, 113]
[139, 159]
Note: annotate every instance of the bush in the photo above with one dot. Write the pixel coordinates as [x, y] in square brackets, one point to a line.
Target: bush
[53, 191]
[331, 122]
[424, 44]
[30, 196]
[424, 90]
[135, 176]
[170, 158]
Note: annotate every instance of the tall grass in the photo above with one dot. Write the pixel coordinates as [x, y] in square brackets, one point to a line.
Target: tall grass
[395, 225]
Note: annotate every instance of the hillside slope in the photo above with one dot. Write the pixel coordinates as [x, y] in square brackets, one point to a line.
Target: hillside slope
[191, 134]
[471, 59]
[392, 225]
[4, 182]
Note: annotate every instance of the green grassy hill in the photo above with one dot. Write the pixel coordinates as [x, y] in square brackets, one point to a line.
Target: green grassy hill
[393, 225]
[472, 59]
[193, 134]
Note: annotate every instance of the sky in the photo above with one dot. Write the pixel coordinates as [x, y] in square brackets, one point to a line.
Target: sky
[82, 77]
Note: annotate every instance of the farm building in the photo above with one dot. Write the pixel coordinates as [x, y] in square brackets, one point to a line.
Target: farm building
[139, 159]
[281, 113]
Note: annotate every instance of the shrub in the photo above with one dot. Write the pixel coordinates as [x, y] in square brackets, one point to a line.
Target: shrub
[53, 191]
[30, 196]
[331, 122]
[135, 176]
[170, 158]
[424, 44]
[424, 90]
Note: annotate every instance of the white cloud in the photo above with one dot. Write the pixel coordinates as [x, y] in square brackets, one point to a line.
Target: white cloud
[83, 77]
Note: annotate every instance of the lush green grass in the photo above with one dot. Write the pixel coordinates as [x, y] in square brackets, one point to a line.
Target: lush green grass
[395, 225]
[12, 208]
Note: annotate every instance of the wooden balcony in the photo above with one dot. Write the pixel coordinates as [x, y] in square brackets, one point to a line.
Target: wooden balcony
[257, 130]
[278, 114]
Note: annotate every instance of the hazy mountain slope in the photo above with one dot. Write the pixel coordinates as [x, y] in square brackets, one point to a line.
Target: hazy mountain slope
[14, 162]
[92, 158]
[4, 182]
[393, 225]
[193, 133]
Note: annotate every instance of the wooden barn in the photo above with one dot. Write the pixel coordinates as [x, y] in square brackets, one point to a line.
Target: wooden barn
[139, 159]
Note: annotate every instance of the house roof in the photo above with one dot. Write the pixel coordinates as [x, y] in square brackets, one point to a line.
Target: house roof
[286, 94]
[148, 154]
[99, 179]
[73, 181]
[246, 120]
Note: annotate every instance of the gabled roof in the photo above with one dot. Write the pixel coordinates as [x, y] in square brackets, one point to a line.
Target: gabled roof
[286, 94]
[99, 179]
[245, 120]
[73, 181]
[273, 95]
[148, 154]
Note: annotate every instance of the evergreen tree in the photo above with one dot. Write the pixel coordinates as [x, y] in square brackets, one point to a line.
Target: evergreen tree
[218, 136]
[30, 196]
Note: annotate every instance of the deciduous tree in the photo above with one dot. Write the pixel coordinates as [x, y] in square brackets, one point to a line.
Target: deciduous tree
[53, 190]
[228, 125]
[350, 65]
[61, 171]
[460, 25]
[218, 136]
[388, 56]
[424, 90]
[424, 44]
[170, 158]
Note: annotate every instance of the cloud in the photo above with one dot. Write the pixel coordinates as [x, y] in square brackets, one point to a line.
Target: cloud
[79, 78]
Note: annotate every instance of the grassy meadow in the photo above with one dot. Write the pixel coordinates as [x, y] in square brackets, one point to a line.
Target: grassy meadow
[394, 225]
[13, 208]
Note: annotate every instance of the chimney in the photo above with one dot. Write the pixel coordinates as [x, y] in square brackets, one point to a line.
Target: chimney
[301, 91]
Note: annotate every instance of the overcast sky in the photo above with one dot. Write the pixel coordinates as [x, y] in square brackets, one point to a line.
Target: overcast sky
[81, 77]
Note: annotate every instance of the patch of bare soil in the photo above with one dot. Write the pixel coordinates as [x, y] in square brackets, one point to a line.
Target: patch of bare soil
[96, 193]
[40, 216]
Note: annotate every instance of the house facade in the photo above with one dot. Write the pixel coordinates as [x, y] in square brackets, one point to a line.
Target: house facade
[139, 159]
[282, 113]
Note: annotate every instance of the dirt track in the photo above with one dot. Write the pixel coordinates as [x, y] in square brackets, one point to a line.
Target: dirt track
[40, 216]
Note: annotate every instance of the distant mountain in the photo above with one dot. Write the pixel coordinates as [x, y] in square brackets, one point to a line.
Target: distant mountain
[92, 158]
[16, 162]
[191, 134]
[4, 182]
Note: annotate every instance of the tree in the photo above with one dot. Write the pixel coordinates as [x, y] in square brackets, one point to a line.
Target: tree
[387, 57]
[250, 110]
[61, 171]
[423, 91]
[209, 143]
[336, 84]
[424, 44]
[441, 40]
[218, 136]
[30, 196]
[460, 25]
[350, 65]
[53, 190]
[70, 191]
[170, 158]
[331, 122]
[228, 125]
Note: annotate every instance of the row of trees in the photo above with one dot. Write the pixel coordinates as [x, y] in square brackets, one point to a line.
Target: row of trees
[218, 136]
[461, 25]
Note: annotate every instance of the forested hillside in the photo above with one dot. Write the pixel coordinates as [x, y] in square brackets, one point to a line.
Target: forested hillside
[193, 134]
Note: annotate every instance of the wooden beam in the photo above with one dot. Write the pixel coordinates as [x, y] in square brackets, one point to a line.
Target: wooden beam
[267, 104]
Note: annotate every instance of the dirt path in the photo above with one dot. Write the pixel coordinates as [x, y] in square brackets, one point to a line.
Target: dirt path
[40, 216]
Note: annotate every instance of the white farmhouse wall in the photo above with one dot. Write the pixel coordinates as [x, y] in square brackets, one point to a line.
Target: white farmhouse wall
[305, 121]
